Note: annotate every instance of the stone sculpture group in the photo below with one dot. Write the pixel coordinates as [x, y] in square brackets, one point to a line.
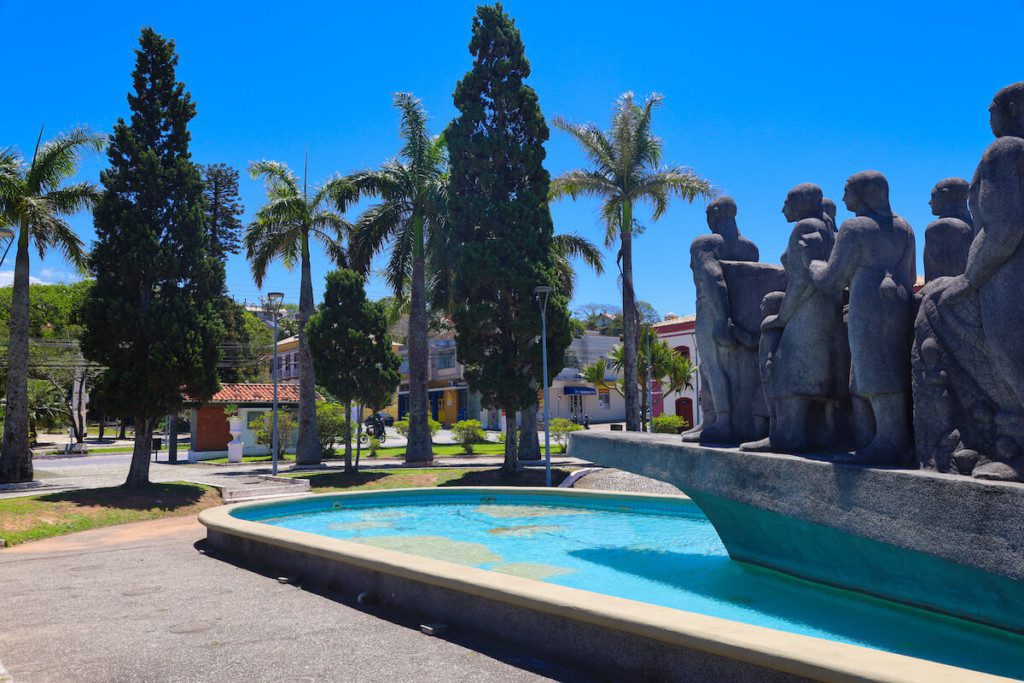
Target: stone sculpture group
[833, 353]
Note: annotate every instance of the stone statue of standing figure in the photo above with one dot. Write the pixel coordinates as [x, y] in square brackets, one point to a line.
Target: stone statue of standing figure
[730, 286]
[948, 239]
[874, 256]
[968, 351]
[802, 370]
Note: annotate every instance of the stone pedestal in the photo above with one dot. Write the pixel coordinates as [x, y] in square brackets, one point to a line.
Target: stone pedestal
[235, 447]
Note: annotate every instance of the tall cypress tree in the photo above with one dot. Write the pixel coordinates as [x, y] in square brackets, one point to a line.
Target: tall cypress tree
[498, 206]
[152, 319]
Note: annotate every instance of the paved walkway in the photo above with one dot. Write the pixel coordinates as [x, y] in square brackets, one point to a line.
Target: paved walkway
[140, 602]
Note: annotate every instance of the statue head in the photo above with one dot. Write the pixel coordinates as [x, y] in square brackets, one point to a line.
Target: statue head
[949, 197]
[1006, 113]
[721, 214]
[771, 304]
[829, 208]
[803, 201]
[867, 192]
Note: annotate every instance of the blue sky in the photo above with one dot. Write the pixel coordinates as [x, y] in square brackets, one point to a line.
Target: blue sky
[758, 97]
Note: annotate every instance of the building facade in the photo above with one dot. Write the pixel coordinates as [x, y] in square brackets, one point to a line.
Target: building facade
[679, 333]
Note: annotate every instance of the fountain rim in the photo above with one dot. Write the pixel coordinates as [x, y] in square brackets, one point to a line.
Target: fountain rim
[791, 653]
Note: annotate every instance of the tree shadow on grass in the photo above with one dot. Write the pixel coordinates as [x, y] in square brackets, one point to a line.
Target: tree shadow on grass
[166, 497]
[344, 480]
[497, 477]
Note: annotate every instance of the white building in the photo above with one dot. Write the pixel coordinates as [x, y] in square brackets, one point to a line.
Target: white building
[679, 332]
[570, 395]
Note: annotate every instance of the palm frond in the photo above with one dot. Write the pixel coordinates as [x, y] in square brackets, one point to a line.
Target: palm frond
[596, 145]
[53, 232]
[580, 183]
[416, 141]
[277, 176]
[573, 245]
[57, 159]
[677, 181]
[371, 232]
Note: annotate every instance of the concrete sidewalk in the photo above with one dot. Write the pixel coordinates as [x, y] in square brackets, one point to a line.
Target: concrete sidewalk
[140, 602]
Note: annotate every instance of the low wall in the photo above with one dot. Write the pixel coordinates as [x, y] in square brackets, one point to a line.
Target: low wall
[944, 542]
[613, 638]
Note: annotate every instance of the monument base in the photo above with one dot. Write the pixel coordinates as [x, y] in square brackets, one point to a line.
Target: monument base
[942, 542]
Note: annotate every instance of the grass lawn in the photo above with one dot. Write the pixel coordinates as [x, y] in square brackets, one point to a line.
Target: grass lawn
[105, 449]
[31, 518]
[414, 477]
[440, 451]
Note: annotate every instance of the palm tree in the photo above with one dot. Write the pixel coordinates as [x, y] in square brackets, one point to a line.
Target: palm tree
[626, 170]
[35, 200]
[411, 220]
[281, 230]
[674, 372]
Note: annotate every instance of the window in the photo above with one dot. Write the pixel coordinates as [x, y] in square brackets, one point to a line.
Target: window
[603, 398]
[254, 418]
[404, 367]
[446, 361]
[683, 351]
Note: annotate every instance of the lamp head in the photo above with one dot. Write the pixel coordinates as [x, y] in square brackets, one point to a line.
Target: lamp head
[275, 297]
[543, 289]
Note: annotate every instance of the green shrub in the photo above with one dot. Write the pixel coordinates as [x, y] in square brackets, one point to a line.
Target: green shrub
[402, 427]
[286, 427]
[560, 430]
[668, 424]
[467, 433]
[333, 426]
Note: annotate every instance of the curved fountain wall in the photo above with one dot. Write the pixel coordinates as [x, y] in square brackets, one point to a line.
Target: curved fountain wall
[943, 542]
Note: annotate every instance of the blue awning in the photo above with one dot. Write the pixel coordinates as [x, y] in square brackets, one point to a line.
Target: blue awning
[579, 391]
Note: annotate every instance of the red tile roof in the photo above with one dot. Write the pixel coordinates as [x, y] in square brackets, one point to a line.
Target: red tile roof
[253, 393]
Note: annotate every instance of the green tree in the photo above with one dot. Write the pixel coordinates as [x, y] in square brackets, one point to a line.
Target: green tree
[248, 344]
[333, 425]
[351, 345]
[626, 170]
[286, 426]
[411, 218]
[282, 230]
[501, 226]
[35, 199]
[152, 319]
[566, 247]
[223, 206]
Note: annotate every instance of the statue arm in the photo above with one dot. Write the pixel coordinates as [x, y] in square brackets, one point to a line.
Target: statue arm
[837, 272]
[1002, 210]
[705, 262]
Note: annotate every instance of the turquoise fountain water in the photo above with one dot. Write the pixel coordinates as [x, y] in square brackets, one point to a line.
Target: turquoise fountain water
[663, 552]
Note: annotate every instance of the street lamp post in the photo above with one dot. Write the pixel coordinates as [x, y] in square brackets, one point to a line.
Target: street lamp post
[275, 299]
[543, 292]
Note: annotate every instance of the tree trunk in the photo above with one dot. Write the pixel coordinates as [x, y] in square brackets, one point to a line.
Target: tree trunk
[138, 473]
[529, 443]
[307, 450]
[348, 436]
[103, 420]
[511, 464]
[15, 453]
[359, 435]
[629, 325]
[172, 438]
[120, 433]
[419, 448]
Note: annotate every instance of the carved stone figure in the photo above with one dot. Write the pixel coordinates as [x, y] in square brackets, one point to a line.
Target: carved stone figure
[730, 286]
[802, 387]
[968, 354]
[948, 239]
[829, 207]
[874, 256]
